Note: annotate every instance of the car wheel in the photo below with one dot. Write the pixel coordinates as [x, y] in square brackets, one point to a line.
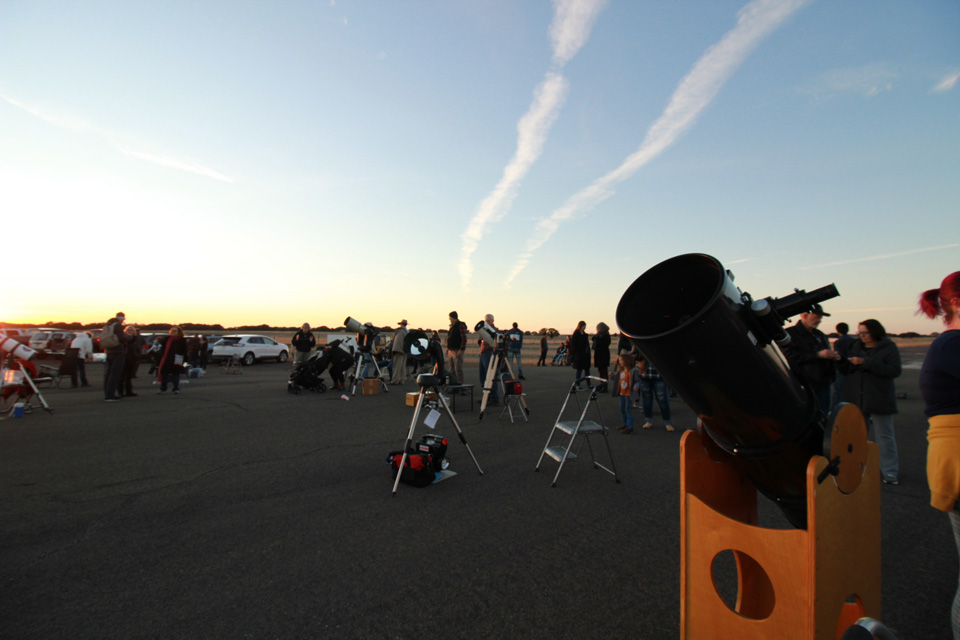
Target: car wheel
[248, 359]
[282, 357]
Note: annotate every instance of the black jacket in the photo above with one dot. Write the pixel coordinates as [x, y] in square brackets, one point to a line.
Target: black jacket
[802, 352]
[870, 385]
[303, 342]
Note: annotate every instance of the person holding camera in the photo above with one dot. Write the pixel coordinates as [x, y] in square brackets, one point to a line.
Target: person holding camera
[811, 357]
[871, 366]
[515, 349]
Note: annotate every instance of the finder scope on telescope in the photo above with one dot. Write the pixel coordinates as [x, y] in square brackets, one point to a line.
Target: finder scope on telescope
[716, 346]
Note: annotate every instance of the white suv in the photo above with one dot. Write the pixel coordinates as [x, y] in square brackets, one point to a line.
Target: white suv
[249, 348]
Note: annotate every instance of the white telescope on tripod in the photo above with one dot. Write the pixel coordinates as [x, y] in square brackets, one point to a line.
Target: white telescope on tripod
[487, 333]
[16, 349]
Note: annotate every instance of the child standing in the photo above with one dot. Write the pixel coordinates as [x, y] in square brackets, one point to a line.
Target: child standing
[628, 389]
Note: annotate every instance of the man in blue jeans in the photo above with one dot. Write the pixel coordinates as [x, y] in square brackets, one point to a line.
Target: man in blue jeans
[651, 384]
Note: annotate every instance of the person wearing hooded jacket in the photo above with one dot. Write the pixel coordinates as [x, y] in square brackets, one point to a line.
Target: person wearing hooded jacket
[872, 364]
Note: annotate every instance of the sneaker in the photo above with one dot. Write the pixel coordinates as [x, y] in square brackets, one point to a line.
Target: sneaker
[621, 428]
[669, 427]
[130, 394]
[176, 390]
[648, 425]
[162, 391]
[113, 399]
[890, 481]
[627, 431]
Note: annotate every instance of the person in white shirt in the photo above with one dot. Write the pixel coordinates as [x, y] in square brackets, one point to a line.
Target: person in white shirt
[84, 346]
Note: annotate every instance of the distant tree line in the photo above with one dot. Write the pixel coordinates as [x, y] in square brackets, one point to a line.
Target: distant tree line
[198, 327]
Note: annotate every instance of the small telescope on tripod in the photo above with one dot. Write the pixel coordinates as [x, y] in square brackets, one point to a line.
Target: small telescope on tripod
[366, 338]
[433, 448]
[18, 376]
[498, 342]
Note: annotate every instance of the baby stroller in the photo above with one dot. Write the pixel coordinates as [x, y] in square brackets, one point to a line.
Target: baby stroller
[307, 374]
[562, 357]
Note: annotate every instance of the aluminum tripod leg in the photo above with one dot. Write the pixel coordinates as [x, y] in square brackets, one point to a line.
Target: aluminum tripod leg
[43, 401]
[492, 369]
[456, 426]
[406, 445]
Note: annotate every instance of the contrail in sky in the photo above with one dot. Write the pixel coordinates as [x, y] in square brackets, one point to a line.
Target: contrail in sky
[78, 124]
[881, 257]
[569, 31]
[695, 92]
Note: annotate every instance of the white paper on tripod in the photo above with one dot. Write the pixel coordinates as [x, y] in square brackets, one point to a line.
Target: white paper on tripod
[431, 419]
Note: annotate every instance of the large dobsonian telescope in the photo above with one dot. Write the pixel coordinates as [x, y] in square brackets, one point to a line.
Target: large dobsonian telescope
[759, 431]
[717, 347]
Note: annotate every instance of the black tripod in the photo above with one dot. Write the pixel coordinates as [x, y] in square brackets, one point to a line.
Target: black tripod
[358, 362]
[498, 360]
[417, 346]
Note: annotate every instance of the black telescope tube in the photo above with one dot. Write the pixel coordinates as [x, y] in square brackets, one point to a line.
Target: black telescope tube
[689, 320]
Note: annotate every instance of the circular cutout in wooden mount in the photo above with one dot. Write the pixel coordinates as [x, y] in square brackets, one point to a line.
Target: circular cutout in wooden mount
[848, 441]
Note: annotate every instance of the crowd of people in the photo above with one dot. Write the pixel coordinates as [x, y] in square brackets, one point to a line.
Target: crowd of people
[124, 348]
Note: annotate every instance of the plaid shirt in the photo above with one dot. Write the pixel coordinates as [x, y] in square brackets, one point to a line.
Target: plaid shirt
[651, 373]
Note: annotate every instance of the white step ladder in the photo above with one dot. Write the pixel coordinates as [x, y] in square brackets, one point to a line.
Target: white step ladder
[564, 433]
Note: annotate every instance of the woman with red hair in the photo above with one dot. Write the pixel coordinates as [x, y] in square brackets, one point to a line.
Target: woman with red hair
[940, 387]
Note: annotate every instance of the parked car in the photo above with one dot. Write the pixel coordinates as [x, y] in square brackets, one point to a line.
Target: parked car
[211, 341]
[249, 348]
[40, 341]
[59, 342]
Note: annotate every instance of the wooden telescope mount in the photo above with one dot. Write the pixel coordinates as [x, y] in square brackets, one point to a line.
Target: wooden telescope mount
[792, 583]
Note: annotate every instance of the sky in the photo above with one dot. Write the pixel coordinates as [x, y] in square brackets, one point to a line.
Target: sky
[289, 161]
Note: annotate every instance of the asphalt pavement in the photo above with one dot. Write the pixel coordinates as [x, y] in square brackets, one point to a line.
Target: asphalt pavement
[235, 509]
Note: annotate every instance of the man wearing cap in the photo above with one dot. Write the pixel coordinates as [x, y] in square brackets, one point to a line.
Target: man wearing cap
[456, 345]
[810, 356]
[399, 356]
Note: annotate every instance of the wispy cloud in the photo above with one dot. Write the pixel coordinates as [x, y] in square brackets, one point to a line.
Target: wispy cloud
[569, 31]
[866, 80]
[573, 20]
[947, 83]
[128, 148]
[695, 92]
[885, 256]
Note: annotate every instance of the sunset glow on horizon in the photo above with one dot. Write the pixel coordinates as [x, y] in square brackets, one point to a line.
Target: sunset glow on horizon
[290, 162]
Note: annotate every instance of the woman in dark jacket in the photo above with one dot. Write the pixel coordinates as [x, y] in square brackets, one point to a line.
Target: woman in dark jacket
[601, 353]
[870, 368]
[171, 363]
[580, 351]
